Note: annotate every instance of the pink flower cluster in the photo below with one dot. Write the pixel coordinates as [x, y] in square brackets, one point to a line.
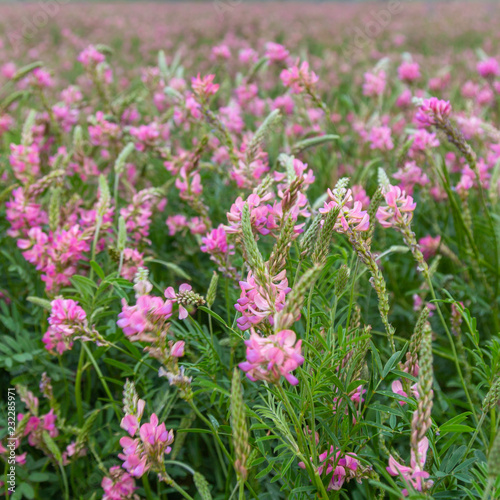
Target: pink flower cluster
[374, 84]
[119, 485]
[37, 425]
[56, 254]
[433, 110]
[25, 161]
[23, 214]
[258, 302]
[66, 320]
[270, 358]
[150, 313]
[147, 450]
[414, 475]
[132, 261]
[258, 214]
[342, 467]
[204, 87]
[299, 78]
[399, 209]
[351, 215]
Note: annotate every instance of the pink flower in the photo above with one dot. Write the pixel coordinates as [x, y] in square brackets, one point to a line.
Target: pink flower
[272, 357]
[341, 468]
[23, 214]
[91, 57]
[25, 161]
[488, 68]
[276, 52]
[433, 110]
[221, 52]
[173, 297]
[409, 176]
[139, 321]
[399, 208]
[299, 78]
[397, 388]
[415, 474]
[429, 245]
[119, 485]
[260, 302]
[374, 84]
[132, 261]
[409, 71]
[258, 214]
[354, 218]
[380, 138]
[177, 349]
[204, 87]
[66, 319]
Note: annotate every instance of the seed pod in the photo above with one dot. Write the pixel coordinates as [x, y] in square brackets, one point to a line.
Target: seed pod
[341, 280]
[286, 317]
[202, 486]
[239, 427]
[309, 238]
[493, 396]
[325, 236]
[494, 458]
[212, 289]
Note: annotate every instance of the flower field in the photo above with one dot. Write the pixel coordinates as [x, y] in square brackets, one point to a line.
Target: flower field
[250, 251]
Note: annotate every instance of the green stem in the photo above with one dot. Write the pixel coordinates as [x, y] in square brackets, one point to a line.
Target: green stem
[455, 355]
[101, 378]
[78, 387]
[489, 487]
[298, 430]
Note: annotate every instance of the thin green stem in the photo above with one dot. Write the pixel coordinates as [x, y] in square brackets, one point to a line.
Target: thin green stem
[78, 387]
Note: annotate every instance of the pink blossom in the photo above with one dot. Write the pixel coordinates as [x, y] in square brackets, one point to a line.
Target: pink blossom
[66, 319]
[414, 475]
[270, 358]
[399, 208]
[119, 485]
[91, 57]
[132, 261]
[488, 68]
[299, 78]
[276, 52]
[259, 302]
[204, 87]
[374, 84]
[429, 245]
[397, 388]
[352, 217]
[433, 110]
[409, 71]
[380, 138]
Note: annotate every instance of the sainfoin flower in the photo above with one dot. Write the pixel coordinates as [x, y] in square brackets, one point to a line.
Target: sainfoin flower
[433, 110]
[204, 87]
[146, 451]
[270, 358]
[119, 485]
[351, 214]
[414, 475]
[340, 467]
[299, 78]
[399, 208]
[66, 319]
[260, 301]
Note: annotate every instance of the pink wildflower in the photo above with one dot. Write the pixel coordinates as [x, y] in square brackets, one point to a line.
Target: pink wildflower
[270, 358]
